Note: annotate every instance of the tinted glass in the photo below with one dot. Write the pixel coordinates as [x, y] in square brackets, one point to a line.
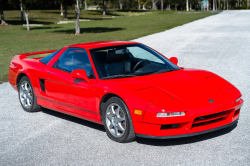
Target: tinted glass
[141, 53]
[46, 59]
[75, 58]
[129, 57]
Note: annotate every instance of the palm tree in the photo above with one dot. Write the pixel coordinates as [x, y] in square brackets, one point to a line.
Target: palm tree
[1, 12]
[77, 16]
[104, 8]
[120, 1]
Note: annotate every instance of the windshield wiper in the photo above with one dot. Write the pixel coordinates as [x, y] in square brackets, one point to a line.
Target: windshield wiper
[163, 71]
[119, 76]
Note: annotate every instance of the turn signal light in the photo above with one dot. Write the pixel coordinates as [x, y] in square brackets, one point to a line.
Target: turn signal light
[138, 112]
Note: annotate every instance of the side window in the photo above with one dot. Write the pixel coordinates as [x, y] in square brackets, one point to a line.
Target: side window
[140, 53]
[75, 58]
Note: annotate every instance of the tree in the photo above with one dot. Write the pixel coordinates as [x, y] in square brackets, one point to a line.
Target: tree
[187, 5]
[85, 2]
[61, 6]
[154, 2]
[247, 4]
[144, 3]
[162, 4]
[27, 5]
[130, 5]
[104, 8]
[1, 12]
[21, 8]
[64, 4]
[78, 7]
[121, 2]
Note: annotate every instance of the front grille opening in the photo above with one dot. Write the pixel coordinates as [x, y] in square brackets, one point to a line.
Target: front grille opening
[170, 126]
[208, 116]
[237, 112]
[208, 122]
[209, 119]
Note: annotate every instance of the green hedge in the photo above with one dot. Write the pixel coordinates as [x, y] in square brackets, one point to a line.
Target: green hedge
[240, 7]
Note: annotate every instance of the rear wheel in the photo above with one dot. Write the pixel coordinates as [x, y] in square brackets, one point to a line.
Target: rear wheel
[27, 96]
[117, 121]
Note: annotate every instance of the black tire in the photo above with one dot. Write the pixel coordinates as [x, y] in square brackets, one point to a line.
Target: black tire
[34, 107]
[129, 134]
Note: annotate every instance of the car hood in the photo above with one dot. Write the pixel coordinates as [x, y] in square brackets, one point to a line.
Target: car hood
[182, 83]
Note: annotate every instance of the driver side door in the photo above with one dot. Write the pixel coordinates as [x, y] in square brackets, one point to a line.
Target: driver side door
[72, 95]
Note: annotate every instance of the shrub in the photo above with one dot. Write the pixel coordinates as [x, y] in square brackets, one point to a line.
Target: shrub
[240, 7]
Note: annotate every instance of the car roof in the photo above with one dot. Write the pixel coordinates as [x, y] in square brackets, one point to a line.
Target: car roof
[92, 45]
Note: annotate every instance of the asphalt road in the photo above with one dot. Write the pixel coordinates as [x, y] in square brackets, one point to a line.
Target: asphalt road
[219, 43]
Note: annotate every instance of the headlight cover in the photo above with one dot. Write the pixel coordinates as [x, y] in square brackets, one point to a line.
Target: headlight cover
[237, 100]
[172, 114]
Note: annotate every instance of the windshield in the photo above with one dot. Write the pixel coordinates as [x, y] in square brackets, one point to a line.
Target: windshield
[129, 60]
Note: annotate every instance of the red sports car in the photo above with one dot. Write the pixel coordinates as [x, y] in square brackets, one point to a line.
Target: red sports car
[128, 87]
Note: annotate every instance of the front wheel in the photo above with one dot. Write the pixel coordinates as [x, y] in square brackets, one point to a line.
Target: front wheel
[27, 96]
[117, 121]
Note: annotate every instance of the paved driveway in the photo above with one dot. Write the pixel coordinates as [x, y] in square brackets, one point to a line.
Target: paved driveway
[219, 43]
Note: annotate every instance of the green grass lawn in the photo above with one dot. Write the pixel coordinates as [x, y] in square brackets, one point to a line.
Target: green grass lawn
[15, 39]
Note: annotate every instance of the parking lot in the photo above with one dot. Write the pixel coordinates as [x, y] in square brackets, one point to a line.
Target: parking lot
[219, 43]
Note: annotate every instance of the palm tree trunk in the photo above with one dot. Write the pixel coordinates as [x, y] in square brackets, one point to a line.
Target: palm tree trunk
[61, 6]
[247, 4]
[130, 5]
[187, 5]
[154, 4]
[65, 13]
[77, 11]
[85, 4]
[27, 19]
[21, 8]
[162, 3]
[104, 8]
[2, 15]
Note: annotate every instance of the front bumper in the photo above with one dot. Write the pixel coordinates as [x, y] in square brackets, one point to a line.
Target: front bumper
[187, 135]
[191, 125]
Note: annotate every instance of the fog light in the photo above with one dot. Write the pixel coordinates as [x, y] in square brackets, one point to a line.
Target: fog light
[138, 112]
[238, 100]
[171, 114]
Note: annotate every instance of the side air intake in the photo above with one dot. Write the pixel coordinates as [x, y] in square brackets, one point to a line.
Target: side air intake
[42, 85]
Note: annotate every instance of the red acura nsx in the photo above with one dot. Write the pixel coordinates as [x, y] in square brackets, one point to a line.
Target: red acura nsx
[133, 90]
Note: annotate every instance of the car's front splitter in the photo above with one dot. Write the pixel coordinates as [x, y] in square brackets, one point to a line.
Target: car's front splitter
[187, 135]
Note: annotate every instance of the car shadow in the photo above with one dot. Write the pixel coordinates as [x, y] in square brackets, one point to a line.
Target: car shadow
[186, 140]
[74, 119]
